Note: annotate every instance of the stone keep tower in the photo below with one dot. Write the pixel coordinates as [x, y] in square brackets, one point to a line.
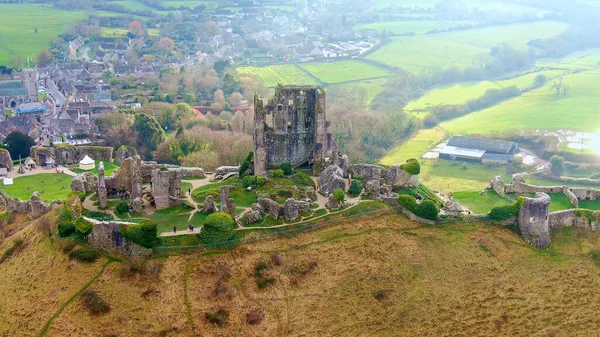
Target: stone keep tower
[291, 128]
[533, 220]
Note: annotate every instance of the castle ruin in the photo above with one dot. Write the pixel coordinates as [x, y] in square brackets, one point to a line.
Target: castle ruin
[292, 128]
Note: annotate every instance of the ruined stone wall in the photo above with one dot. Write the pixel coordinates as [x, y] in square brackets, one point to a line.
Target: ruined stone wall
[41, 153]
[571, 196]
[6, 160]
[107, 236]
[291, 128]
[367, 172]
[166, 188]
[534, 220]
[85, 182]
[125, 152]
[65, 154]
[575, 218]
[101, 153]
[585, 193]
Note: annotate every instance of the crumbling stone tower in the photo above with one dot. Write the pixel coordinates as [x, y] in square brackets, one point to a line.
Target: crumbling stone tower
[533, 220]
[291, 128]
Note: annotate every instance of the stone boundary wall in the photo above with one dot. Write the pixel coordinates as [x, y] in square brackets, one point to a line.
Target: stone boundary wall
[65, 154]
[570, 218]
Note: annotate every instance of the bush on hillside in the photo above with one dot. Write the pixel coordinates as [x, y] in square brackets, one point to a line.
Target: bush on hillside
[218, 318]
[260, 181]
[95, 304]
[218, 227]
[339, 195]
[85, 254]
[143, 233]
[354, 189]
[427, 209]
[411, 166]
[65, 229]
[287, 169]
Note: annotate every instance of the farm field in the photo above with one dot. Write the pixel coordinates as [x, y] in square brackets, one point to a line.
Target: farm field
[539, 109]
[344, 71]
[423, 141]
[585, 59]
[458, 48]
[18, 24]
[280, 74]
[51, 186]
[122, 32]
[371, 89]
[462, 92]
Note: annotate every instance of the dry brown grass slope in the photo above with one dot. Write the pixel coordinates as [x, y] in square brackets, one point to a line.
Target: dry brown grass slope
[383, 276]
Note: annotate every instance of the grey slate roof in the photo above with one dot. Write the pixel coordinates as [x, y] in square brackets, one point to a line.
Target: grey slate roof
[489, 145]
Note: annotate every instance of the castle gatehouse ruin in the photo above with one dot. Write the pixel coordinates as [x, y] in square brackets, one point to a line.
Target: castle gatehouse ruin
[291, 127]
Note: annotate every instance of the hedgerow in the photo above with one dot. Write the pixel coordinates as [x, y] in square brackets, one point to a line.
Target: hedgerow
[246, 164]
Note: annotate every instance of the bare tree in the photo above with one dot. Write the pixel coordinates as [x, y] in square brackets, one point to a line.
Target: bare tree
[557, 85]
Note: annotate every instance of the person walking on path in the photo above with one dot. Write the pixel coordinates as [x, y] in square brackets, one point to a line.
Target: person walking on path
[174, 229]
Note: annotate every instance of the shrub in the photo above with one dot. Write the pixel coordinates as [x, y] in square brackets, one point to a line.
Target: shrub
[16, 246]
[558, 164]
[339, 195]
[354, 189]
[143, 233]
[260, 181]
[68, 245]
[303, 179]
[255, 317]
[276, 259]
[83, 226]
[502, 213]
[122, 207]
[153, 269]
[411, 166]
[426, 210]
[218, 227]
[218, 318]
[65, 229]
[85, 254]
[262, 275]
[287, 169]
[277, 173]
[246, 164]
[249, 181]
[95, 304]
[163, 169]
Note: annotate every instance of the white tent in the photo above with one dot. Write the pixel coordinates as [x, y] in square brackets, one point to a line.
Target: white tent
[8, 181]
[87, 163]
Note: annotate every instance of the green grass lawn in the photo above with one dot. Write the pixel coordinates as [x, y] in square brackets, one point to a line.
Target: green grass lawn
[344, 71]
[19, 21]
[280, 74]
[591, 204]
[415, 147]
[167, 218]
[480, 203]
[458, 48]
[109, 168]
[51, 186]
[584, 59]
[448, 176]
[559, 202]
[539, 109]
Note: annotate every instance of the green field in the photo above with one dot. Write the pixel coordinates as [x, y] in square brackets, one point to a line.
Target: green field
[122, 32]
[19, 21]
[280, 74]
[585, 59]
[108, 168]
[344, 71]
[458, 48]
[51, 186]
[370, 89]
[480, 203]
[448, 176]
[462, 92]
[414, 147]
[539, 109]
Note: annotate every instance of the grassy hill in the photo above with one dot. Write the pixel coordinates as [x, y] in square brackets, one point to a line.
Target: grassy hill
[407, 280]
